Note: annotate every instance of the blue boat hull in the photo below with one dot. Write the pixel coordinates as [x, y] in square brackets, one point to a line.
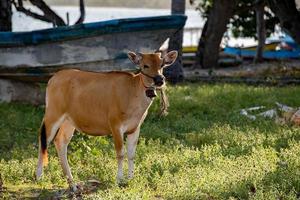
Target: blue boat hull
[280, 54]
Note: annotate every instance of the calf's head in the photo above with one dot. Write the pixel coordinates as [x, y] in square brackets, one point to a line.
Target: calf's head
[152, 64]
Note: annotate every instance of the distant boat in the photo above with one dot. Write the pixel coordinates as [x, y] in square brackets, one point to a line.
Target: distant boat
[275, 48]
[100, 46]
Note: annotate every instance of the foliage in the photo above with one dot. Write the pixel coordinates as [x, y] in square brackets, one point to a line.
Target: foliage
[202, 150]
[243, 23]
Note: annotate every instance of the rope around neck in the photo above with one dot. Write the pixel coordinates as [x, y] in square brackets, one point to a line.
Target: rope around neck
[164, 102]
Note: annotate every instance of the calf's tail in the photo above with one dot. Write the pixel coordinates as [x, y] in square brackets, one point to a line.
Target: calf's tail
[43, 154]
[43, 143]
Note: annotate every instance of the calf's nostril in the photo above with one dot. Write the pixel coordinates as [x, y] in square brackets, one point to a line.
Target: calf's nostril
[160, 83]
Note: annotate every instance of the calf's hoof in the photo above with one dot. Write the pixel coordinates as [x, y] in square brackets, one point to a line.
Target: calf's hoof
[38, 173]
[122, 182]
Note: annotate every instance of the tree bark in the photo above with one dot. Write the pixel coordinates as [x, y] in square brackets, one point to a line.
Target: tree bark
[209, 43]
[201, 47]
[174, 73]
[288, 15]
[5, 15]
[261, 30]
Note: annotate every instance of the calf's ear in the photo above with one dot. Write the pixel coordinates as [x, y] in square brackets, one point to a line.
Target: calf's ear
[135, 58]
[170, 58]
[163, 49]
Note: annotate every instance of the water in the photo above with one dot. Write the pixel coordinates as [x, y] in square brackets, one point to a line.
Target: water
[21, 22]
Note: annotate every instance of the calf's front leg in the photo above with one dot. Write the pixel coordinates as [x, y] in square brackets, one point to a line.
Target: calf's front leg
[132, 140]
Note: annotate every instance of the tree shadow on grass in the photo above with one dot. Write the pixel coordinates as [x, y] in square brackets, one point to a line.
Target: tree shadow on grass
[198, 118]
[19, 125]
[85, 188]
[194, 110]
[282, 183]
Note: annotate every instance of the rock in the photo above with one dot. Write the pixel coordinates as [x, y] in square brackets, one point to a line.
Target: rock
[295, 119]
[269, 113]
[286, 112]
[18, 91]
[283, 114]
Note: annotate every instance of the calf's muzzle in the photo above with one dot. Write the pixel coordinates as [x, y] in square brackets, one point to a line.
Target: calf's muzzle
[158, 80]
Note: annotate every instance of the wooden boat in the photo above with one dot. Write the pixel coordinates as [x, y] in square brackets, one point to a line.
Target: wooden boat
[100, 46]
[277, 54]
[189, 49]
[268, 47]
[281, 48]
[268, 54]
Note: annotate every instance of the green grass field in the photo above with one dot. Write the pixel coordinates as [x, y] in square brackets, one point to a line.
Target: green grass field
[202, 150]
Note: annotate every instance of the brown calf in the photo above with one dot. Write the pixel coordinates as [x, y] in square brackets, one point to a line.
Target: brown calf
[100, 104]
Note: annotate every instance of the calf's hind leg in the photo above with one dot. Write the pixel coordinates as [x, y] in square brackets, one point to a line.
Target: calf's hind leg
[118, 134]
[50, 125]
[61, 142]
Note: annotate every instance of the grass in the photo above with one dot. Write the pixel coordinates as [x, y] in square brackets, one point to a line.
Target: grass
[202, 150]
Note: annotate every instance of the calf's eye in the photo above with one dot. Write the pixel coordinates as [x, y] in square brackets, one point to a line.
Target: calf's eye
[146, 66]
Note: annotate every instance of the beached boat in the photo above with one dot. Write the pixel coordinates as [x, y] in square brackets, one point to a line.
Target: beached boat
[100, 46]
[279, 48]
[277, 54]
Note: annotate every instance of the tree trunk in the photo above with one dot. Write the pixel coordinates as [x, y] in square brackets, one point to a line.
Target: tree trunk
[48, 15]
[48, 12]
[174, 73]
[288, 15]
[5, 15]
[209, 43]
[82, 12]
[261, 30]
[201, 47]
